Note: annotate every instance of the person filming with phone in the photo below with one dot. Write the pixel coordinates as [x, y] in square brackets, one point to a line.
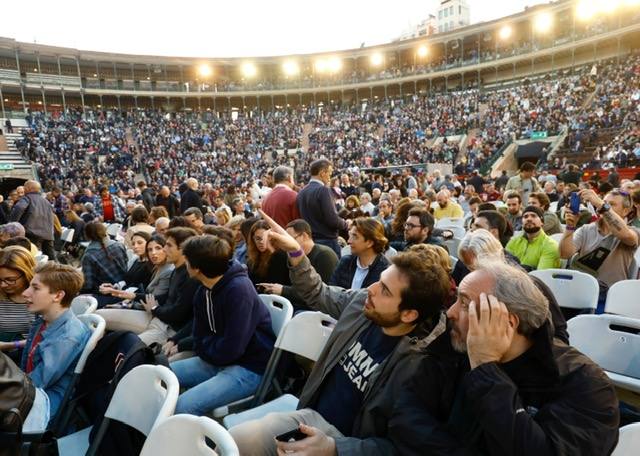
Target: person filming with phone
[604, 248]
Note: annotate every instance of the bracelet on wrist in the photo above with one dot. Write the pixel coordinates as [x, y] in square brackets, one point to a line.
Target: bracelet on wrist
[569, 228]
[296, 254]
[17, 344]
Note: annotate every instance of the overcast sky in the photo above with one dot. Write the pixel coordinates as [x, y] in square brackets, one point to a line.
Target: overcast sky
[235, 28]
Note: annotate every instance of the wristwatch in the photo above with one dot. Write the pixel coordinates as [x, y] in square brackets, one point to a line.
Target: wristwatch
[604, 208]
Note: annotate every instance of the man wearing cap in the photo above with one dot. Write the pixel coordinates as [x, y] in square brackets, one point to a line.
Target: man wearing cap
[534, 248]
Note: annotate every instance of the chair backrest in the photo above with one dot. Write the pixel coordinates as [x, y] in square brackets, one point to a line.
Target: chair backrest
[557, 237]
[553, 206]
[623, 298]
[306, 334]
[114, 229]
[84, 304]
[144, 397]
[67, 234]
[629, 441]
[452, 245]
[186, 434]
[448, 222]
[458, 231]
[637, 272]
[97, 325]
[611, 341]
[281, 311]
[572, 289]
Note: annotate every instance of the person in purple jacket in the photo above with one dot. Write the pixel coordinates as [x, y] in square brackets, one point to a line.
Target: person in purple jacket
[232, 335]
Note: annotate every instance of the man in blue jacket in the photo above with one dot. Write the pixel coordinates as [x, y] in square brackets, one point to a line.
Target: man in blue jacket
[232, 335]
[317, 207]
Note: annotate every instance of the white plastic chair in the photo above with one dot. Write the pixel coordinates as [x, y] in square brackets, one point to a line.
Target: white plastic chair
[637, 258]
[623, 298]
[629, 441]
[447, 222]
[281, 311]
[557, 237]
[84, 304]
[553, 206]
[143, 398]
[186, 434]
[305, 335]
[452, 245]
[611, 341]
[114, 229]
[458, 231]
[572, 289]
[97, 326]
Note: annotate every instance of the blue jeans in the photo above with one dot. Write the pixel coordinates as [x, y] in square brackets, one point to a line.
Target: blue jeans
[211, 386]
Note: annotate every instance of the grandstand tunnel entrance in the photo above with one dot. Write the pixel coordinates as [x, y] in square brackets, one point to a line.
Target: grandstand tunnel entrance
[10, 183]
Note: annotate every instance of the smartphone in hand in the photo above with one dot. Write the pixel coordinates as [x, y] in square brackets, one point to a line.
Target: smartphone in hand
[574, 205]
[293, 435]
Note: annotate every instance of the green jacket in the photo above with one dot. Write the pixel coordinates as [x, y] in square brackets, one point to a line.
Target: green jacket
[541, 253]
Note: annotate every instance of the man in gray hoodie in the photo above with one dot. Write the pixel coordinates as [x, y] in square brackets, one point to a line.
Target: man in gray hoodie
[348, 398]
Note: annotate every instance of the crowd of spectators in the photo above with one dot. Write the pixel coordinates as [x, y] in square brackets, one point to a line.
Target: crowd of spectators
[73, 150]
[426, 249]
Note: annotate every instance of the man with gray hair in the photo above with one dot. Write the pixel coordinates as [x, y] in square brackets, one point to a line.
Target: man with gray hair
[11, 230]
[521, 391]
[35, 213]
[280, 203]
[190, 197]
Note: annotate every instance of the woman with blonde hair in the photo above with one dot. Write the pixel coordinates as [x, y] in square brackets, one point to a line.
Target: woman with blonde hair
[16, 271]
[222, 216]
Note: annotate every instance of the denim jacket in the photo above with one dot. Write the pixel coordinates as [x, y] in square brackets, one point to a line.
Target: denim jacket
[56, 355]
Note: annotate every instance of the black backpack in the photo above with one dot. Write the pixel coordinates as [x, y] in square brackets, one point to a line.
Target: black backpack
[115, 355]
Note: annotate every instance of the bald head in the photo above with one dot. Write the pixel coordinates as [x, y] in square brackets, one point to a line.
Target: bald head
[442, 198]
[192, 183]
[32, 186]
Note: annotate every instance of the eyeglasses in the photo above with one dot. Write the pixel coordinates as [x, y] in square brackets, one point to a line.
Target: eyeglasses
[10, 280]
[410, 226]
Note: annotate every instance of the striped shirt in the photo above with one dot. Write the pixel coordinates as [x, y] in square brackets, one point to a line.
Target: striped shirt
[15, 319]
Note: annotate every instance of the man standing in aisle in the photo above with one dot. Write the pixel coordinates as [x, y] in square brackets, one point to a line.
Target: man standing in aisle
[316, 206]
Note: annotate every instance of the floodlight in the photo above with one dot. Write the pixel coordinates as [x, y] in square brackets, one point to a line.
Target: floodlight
[249, 69]
[376, 59]
[290, 68]
[609, 6]
[321, 65]
[543, 22]
[205, 70]
[334, 64]
[505, 32]
[585, 10]
[423, 51]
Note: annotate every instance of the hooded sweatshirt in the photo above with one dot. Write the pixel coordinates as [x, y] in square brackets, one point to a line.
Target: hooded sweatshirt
[231, 325]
